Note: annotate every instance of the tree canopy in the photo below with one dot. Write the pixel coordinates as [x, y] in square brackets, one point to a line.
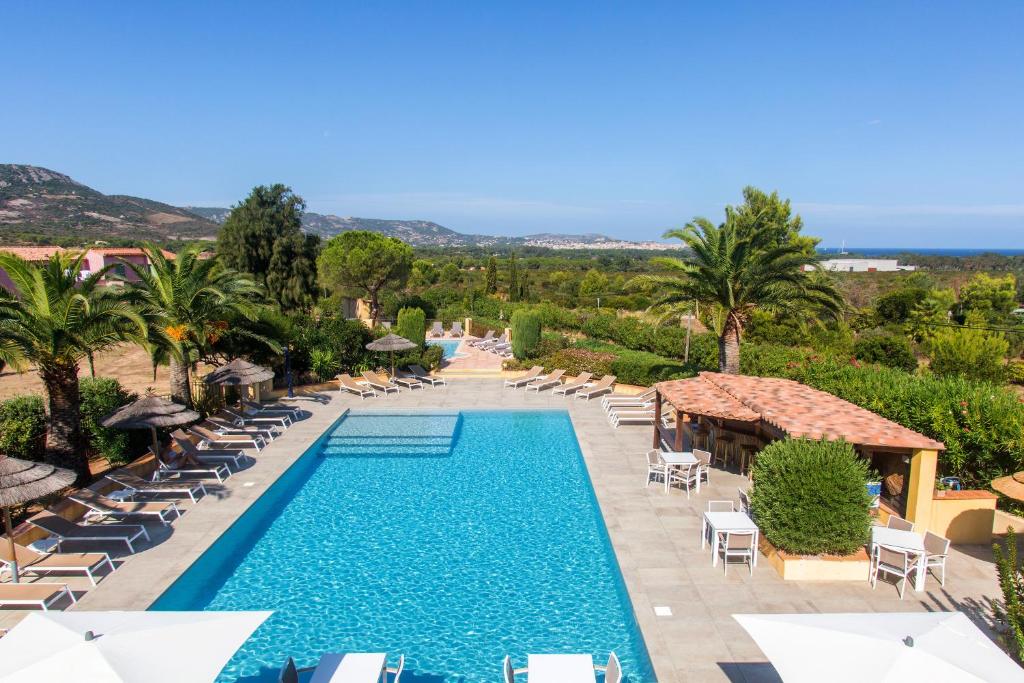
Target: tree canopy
[366, 262]
[263, 236]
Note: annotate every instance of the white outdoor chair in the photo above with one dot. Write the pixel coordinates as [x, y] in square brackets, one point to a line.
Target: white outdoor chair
[899, 523]
[900, 563]
[736, 544]
[936, 550]
[721, 506]
[685, 475]
[704, 464]
[744, 501]
[656, 469]
[612, 670]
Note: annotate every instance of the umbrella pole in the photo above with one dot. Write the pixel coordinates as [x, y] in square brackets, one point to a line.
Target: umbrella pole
[10, 541]
[156, 441]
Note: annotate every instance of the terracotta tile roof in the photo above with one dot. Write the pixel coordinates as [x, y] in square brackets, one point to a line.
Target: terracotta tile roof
[128, 251]
[796, 409]
[33, 253]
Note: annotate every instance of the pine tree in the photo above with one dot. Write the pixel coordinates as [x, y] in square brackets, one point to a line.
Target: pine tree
[492, 275]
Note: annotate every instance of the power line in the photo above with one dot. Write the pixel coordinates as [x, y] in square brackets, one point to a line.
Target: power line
[987, 328]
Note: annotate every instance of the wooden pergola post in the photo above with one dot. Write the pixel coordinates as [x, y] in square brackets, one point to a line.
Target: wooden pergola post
[921, 488]
[657, 420]
[679, 431]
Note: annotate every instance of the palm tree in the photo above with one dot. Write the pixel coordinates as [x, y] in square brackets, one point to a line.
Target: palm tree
[190, 300]
[53, 319]
[733, 272]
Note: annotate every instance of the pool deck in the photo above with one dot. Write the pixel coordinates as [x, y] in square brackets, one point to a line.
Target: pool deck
[656, 539]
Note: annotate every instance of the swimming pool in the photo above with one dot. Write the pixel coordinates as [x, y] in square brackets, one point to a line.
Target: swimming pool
[453, 538]
[448, 347]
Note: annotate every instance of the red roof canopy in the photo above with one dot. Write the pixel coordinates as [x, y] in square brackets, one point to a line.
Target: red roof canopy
[794, 408]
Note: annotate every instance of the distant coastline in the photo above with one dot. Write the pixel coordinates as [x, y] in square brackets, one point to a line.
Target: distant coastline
[896, 251]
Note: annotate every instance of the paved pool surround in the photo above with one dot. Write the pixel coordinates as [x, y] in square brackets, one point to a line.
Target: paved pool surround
[656, 540]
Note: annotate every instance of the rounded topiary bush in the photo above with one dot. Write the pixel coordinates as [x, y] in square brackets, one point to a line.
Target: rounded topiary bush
[810, 498]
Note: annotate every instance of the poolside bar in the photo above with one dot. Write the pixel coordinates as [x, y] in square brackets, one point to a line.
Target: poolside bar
[734, 416]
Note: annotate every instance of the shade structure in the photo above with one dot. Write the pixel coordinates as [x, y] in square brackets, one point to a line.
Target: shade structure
[154, 647]
[239, 372]
[900, 647]
[22, 481]
[1011, 486]
[392, 343]
[150, 412]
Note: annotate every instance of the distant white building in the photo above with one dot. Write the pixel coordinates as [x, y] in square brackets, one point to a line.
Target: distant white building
[862, 265]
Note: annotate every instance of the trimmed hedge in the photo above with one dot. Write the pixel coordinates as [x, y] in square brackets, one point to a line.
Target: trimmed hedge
[811, 497]
[575, 361]
[525, 333]
[412, 324]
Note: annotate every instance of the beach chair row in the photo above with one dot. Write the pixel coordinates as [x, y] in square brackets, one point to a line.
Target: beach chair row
[372, 384]
[583, 386]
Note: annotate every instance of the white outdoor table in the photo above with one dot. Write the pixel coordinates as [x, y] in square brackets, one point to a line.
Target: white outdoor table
[679, 458]
[726, 521]
[561, 669]
[354, 667]
[897, 539]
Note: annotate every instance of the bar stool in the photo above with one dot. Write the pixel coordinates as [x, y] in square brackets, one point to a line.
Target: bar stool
[725, 445]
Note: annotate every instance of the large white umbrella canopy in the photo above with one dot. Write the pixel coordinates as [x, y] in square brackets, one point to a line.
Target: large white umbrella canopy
[128, 647]
[898, 647]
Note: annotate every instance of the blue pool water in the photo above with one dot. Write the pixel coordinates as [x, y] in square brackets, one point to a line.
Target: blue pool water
[448, 346]
[453, 538]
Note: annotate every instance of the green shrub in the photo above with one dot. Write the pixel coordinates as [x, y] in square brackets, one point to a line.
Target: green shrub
[346, 338]
[575, 361]
[23, 427]
[644, 369]
[975, 354]
[810, 497]
[428, 357]
[323, 364]
[890, 350]
[550, 342]
[771, 360]
[412, 324]
[525, 333]
[99, 397]
[1011, 582]
[1015, 372]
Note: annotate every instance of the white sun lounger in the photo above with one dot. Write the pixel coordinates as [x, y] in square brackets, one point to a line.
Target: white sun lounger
[272, 408]
[581, 382]
[212, 439]
[422, 375]
[222, 427]
[486, 339]
[644, 417]
[533, 374]
[214, 460]
[552, 380]
[604, 386]
[42, 595]
[64, 530]
[138, 485]
[437, 329]
[378, 383]
[346, 382]
[32, 562]
[620, 400]
[101, 506]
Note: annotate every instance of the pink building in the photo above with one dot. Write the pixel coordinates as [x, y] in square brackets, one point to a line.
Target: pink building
[95, 259]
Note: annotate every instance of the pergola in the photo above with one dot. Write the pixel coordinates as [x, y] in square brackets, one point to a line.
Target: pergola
[769, 408]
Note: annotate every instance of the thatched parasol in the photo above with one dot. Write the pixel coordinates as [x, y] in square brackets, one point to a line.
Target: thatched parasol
[239, 372]
[150, 412]
[22, 481]
[1011, 486]
[391, 343]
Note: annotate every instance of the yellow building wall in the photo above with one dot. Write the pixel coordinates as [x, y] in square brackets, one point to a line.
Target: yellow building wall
[923, 465]
[964, 517]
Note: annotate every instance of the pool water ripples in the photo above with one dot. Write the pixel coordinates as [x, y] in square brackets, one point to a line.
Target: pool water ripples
[452, 538]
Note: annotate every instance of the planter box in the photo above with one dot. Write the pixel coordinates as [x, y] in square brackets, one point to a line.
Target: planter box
[853, 567]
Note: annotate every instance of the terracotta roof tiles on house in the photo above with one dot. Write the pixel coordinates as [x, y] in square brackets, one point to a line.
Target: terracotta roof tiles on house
[33, 253]
[796, 409]
[128, 251]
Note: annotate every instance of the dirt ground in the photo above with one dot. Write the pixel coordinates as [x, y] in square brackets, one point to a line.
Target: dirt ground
[129, 364]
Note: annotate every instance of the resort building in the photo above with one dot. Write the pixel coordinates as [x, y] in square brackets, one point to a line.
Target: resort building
[862, 265]
[95, 259]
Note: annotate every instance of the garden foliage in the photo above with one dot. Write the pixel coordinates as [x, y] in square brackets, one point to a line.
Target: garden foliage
[412, 324]
[525, 333]
[810, 497]
[23, 427]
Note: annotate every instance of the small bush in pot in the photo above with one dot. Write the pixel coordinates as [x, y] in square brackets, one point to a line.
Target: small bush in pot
[810, 497]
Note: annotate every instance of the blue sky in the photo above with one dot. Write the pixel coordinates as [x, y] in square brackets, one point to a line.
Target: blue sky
[887, 124]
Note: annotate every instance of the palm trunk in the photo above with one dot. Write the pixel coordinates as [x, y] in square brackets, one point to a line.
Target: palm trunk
[374, 308]
[181, 392]
[729, 345]
[64, 447]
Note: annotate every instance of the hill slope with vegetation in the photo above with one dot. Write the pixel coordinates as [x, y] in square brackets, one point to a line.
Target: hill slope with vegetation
[40, 206]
